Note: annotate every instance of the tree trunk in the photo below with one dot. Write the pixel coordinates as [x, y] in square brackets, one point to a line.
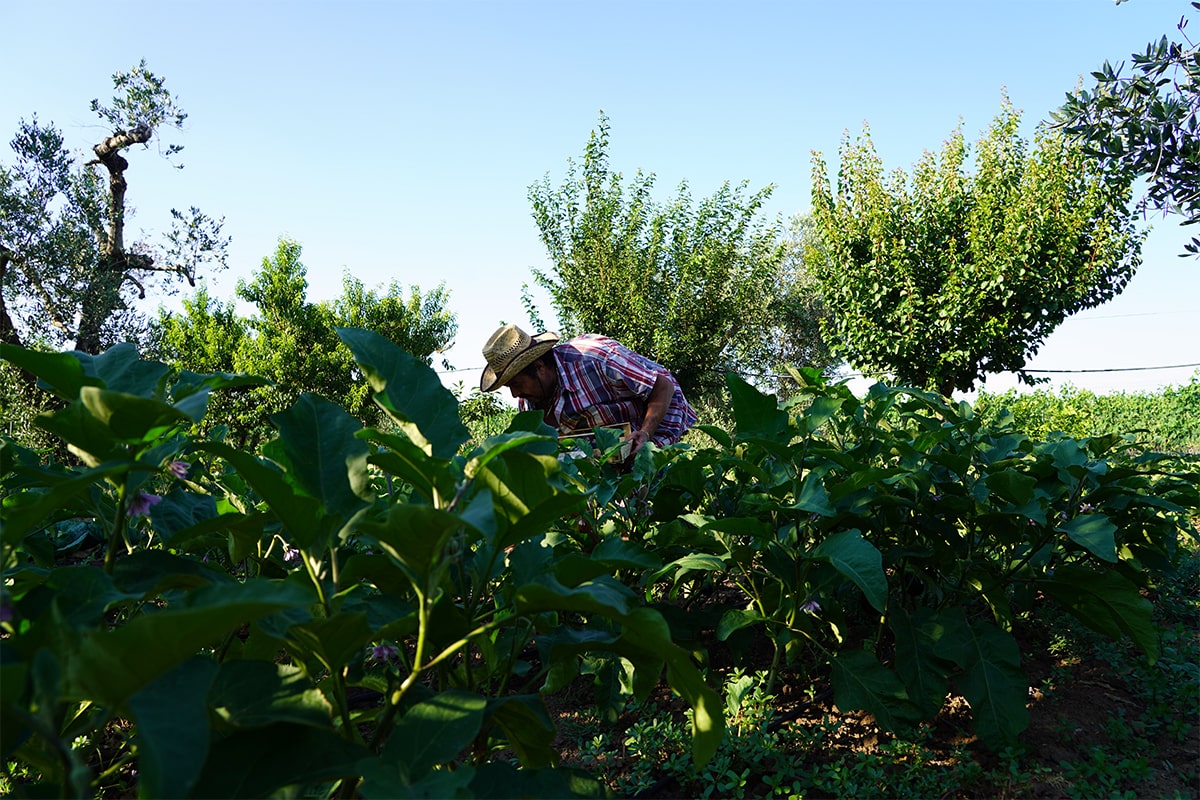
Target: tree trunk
[8, 331]
[103, 296]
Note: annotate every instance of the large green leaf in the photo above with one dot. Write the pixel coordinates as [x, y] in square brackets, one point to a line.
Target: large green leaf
[501, 780]
[1011, 485]
[26, 510]
[600, 597]
[527, 727]
[60, 373]
[299, 513]
[434, 732]
[110, 666]
[325, 457]
[93, 442]
[1105, 602]
[148, 573]
[408, 390]
[183, 512]
[992, 680]
[259, 762]
[739, 526]
[410, 463]
[172, 728]
[683, 566]
[860, 682]
[334, 641]
[860, 561]
[735, 619]
[524, 489]
[495, 446]
[414, 535]
[1094, 533]
[122, 370]
[757, 414]
[643, 631]
[128, 416]
[925, 676]
[650, 632]
[252, 693]
[813, 497]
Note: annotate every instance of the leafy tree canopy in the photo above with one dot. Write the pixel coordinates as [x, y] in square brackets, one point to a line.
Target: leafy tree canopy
[944, 277]
[688, 284]
[69, 277]
[293, 342]
[1143, 123]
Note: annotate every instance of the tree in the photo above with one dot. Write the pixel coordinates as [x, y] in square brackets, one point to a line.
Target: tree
[686, 284]
[67, 272]
[1143, 124]
[294, 343]
[950, 276]
[794, 334]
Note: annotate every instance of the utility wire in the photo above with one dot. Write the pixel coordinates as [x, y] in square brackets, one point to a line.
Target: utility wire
[1119, 369]
[861, 375]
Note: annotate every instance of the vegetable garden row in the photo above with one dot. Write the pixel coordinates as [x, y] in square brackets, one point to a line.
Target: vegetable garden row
[380, 612]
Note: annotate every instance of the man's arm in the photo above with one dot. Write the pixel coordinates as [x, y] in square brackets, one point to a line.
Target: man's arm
[656, 408]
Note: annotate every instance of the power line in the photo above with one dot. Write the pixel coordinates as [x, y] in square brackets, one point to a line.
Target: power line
[861, 375]
[1080, 318]
[1117, 369]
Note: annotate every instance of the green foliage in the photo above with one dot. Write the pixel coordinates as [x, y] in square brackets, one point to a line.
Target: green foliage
[690, 285]
[484, 413]
[896, 537]
[657, 746]
[380, 610]
[1167, 421]
[237, 601]
[67, 272]
[943, 278]
[1143, 124]
[292, 342]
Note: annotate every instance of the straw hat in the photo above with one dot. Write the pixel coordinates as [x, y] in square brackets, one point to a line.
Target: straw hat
[510, 350]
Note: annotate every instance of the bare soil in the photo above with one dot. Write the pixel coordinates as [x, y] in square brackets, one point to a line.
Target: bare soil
[1071, 708]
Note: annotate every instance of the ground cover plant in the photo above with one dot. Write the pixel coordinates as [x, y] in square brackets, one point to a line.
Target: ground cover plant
[397, 611]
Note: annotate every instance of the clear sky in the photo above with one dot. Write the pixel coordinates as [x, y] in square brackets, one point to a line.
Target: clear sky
[397, 140]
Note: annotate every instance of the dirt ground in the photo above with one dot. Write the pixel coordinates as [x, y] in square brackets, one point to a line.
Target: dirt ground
[1066, 722]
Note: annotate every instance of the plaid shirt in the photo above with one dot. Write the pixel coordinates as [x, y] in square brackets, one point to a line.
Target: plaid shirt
[602, 382]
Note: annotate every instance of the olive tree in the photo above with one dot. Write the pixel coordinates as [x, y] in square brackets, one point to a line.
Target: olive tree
[944, 277]
[68, 272]
[1142, 123]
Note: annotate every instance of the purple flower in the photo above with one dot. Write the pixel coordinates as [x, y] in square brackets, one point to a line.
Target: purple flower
[6, 612]
[140, 505]
[290, 554]
[179, 469]
[812, 607]
[383, 653]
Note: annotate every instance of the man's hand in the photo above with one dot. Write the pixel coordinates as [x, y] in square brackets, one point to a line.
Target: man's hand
[636, 439]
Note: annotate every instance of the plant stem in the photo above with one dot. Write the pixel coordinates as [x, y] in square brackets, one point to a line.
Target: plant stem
[110, 555]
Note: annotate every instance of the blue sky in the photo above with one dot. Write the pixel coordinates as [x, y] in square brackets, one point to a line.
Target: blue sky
[398, 140]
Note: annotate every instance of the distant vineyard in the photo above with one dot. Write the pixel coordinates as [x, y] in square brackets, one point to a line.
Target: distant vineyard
[1168, 421]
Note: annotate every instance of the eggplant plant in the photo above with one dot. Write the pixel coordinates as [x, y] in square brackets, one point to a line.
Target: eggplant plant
[349, 612]
[894, 539]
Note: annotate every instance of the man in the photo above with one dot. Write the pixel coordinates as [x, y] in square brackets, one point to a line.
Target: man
[586, 382]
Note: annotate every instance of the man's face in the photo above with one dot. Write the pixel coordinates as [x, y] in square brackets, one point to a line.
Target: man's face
[535, 385]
